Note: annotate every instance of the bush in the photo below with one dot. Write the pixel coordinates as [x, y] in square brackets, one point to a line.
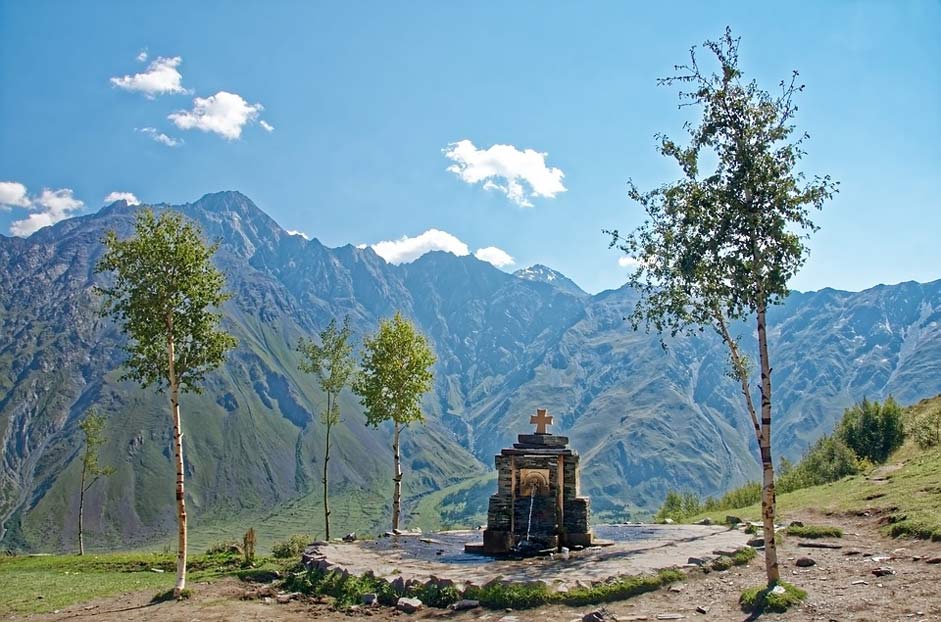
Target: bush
[925, 428]
[764, 598]
[829, 460]
[292, 547]
[872, 430]
[678, 506]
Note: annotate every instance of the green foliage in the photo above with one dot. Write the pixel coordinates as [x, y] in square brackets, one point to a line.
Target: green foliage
[292, 547]
[814, 531]
[764, 598]
[93, 427]
[724, 243]
[228, 547]
[678, 506]
[331, 361]
[164, 288]
[872, 430]
[924, 425]
[829, 460]
[347, 590]
[396, 373]
[739, 558]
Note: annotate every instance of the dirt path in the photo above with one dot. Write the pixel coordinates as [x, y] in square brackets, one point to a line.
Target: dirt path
[841, 587]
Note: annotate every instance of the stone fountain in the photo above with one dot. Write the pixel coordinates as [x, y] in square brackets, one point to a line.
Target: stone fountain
[537, 507]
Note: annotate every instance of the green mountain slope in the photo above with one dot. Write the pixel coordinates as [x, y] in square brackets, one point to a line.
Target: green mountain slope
[645, 419]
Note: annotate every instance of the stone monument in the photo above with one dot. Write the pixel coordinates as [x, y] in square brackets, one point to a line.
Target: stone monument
[537, 506]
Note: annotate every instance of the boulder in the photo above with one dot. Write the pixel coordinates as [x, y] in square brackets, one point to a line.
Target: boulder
[369, 599]
[464, 604]
[408, 605]
[732, 520]
[350, 537]
[704, 521]
[805, 562]
[756, 542]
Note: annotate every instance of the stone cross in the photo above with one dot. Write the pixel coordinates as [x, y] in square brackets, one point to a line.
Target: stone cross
[541, 419]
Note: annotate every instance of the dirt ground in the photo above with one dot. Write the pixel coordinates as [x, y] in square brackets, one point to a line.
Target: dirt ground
[841, 586]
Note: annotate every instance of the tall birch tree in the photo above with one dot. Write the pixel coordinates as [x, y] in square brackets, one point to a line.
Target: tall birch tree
[165, 295]
[720, 246]
[395, 374]
[331, 361]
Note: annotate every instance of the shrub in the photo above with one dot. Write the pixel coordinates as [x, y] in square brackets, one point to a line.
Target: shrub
[678, 506]
[828, 460]
[872, 430]
[925, 428]
[292, 547]
[229, 547]
[773, 598]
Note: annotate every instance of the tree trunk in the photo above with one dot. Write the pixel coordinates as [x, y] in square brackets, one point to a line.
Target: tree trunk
[81, 511]
[326, 460]
[178, 458]
[396, 479]
[767, 466]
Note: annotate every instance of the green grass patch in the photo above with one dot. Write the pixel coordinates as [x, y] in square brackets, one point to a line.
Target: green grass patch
[777, 598]
[814, 531]
[44, 583]
[347, 590]
[740, 558]
[167, 596]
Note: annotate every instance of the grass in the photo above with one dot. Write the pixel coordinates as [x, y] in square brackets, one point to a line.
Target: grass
[814, 531]
[740, 558]
[908, 499]
[45, 583]
[763, 598]
[347, 589]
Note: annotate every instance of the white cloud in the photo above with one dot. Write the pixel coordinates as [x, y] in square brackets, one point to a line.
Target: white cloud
[406, 249]
[300, 233]
[509, 164]
[142, 56]
[160, 77]
[626, 261]
[122, 196]
[160, 137]
[266, 126]
[13, 194]
[223, 113]
[496, 256]
[48, 208]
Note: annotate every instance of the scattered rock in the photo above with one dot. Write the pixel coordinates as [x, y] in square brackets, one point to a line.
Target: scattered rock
[883, 571]
[667, 521]
[464, 604]
[852, 552]
[677, 588]
[778, 589]
[429, 541]
[283, 599]
[669, 616]
[698, 561]
[350, 537]
[408, 605]
[705, 521]
[732, 520]
[398, 585]
[796, 523]
[756, 542]
[369, 599]
[805, 562]
[160, 570]
[860, 582]
[820, 545]
[702, 610]
[598, 615]
[933, 560]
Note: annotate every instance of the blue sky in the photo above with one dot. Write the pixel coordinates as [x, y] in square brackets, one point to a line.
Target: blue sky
[365, 98]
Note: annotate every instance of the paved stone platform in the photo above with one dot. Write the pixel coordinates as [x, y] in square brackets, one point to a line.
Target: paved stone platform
[661, 546]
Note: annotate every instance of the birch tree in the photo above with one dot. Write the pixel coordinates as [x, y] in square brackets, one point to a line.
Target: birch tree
[720, 246]
[331, 361]
[396, 373]
[165, 295]
[93, 428]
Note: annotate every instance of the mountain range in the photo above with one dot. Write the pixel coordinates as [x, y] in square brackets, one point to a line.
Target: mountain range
[644, 417]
